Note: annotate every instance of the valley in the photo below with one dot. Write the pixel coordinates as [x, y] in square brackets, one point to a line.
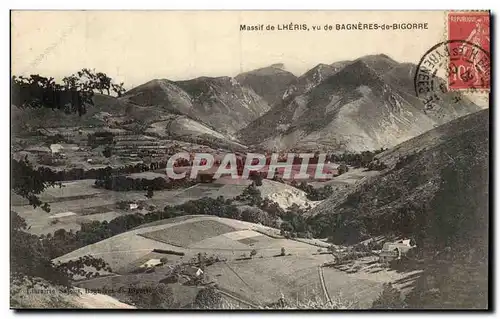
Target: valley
[91, 199]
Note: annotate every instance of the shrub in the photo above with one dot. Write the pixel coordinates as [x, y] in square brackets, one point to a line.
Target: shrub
[361, 248]
[256, 178]
[373, 245]
[283, 251]
[404, 160]
[107, 152]
[152, 297]
[250, 195]
[316, 194]
[376, 165]
[342, 169]
[208, 298]
[313, 301]
[390, 298]
[253, 253]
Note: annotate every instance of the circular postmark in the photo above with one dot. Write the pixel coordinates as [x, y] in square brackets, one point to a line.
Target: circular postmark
[449, 68]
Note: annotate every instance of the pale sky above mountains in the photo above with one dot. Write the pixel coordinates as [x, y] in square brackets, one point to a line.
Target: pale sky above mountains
[136, 47]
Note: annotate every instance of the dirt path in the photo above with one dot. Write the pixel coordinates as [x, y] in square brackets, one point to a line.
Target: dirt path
[242, 280]
[323, 286]
[238, 299]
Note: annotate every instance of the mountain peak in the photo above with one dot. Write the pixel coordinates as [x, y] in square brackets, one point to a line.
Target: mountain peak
[280, 66]
[269, 82]
[355, 74]
[381, 63]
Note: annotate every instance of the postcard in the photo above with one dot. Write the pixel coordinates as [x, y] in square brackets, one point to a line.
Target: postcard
[257, 160]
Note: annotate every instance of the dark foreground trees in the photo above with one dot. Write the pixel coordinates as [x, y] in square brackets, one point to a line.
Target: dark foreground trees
[390, 298]
[159, 296]
[28, 254]
[73, 95]
[208, 298]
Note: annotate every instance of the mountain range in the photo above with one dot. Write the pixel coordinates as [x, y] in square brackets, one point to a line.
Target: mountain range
[357, 105]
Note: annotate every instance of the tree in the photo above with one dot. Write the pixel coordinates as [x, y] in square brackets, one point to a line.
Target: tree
[29, 183]
[150, 193]
[285, 227]
[255, 215]
[390, 298]
[253, 253]
[38, 91]
[102, 83]
[118, 89]
[160, 296]
[29, 254]
[256, 178]
[71, 82]
[283, 251]
[107, 152]
[208, 298]
[342, 169]
[251, 195]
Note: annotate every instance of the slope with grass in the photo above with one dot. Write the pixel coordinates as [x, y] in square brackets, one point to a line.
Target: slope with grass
[221, 103]
[449, 163]
[435, 190]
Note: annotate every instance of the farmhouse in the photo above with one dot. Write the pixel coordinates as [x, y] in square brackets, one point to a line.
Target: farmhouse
[151, 263]
[193, 271]
[395, 250]
[56, 148]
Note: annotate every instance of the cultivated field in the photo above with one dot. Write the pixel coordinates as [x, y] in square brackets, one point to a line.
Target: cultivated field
[294, 277]
[185, 234]
[255, 278]
[79, 201]
[353, 176]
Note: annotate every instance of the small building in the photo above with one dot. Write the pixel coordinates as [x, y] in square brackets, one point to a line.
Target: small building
[193, 271]
[151, 263]
[56, 148]
[395, 250]
[60, 147]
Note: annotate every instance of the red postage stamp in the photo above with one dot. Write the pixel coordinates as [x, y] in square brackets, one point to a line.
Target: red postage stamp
[469, 40]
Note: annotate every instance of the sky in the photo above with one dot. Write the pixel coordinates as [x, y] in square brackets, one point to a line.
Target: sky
[138, 46]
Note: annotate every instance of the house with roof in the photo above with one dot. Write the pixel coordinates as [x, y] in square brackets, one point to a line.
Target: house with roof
[151, 263]
[193, 272]
[395, 250]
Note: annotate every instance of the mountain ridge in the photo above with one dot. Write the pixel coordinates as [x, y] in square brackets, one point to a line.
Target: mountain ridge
[365, 104]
